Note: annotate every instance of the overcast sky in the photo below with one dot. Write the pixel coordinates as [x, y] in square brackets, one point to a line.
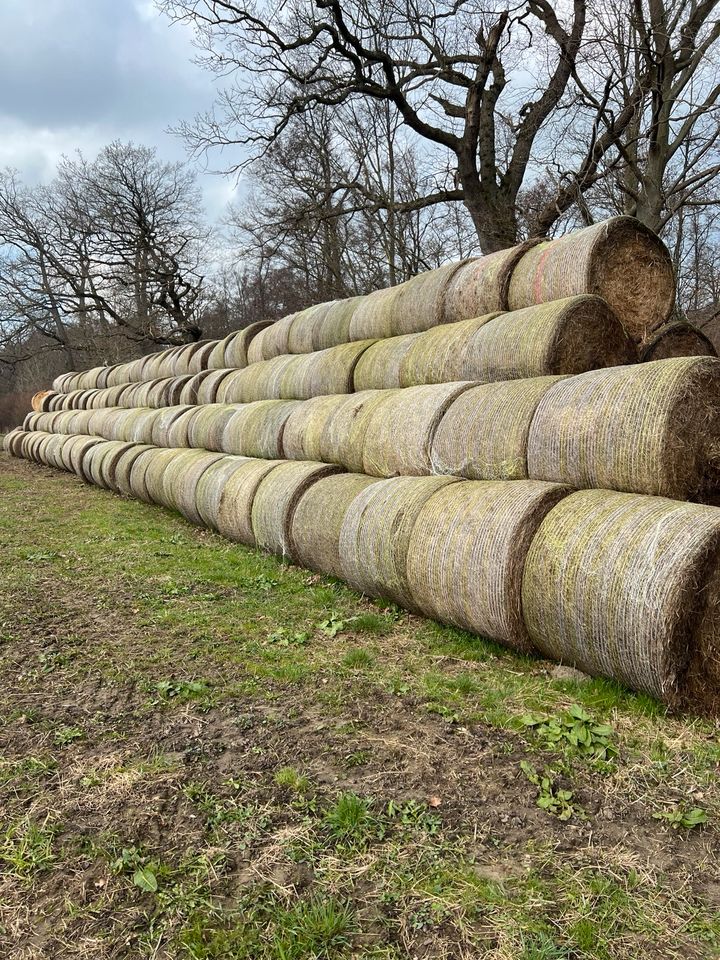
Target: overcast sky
[80, 73]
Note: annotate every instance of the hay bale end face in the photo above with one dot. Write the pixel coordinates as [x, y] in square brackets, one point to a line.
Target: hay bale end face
[648, 428]
[467, 551]
[257, 429]
[619, 260]
[375, 535]
[234, 513]
[617, 585]
[318, 519]
[679, 339]
[210, 486]
[304, 428]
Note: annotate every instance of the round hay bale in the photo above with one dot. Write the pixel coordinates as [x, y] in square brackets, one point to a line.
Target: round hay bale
[259, 381]
[467, 552]
[179, 430]
[304, 327]
[141, 430]
[216, 359]
[646, 428]
[420, 303]
[272, 341]
[162, 435]
[375, 535]
[301, 437]
[373, 316]
[32, 421]
[677, 339]
[334, 328]
[275, 501]
[77, 453]
[12, 442]
[389, 451]
[318, 519]
[120, 480]
[229, 385]
[210, 386]
[619, 260]
[113, 395]
[237, 344]
[104, 422]
[58, 384]
[180, 479]
[206, 429]
[234, 515]
[39, 400]
[326, 372]
[481, 285]
[256, 429]
[343, 438]
[199, 359]
[101, 461]
[105, 374]
[616, 585]
[125, 426]
[189, 392]
[210, 486]
[483, 434]
[379, 366]
[79, 422]
[146, 473]
[437, 355]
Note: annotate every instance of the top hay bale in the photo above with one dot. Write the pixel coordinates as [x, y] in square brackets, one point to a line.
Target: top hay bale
[481, 285]
[620, 260]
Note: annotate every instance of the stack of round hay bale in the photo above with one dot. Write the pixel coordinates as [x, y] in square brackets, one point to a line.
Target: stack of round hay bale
[479, 444]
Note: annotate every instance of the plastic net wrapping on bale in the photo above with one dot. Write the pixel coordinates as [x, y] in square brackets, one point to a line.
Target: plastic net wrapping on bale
[211, 485]
[207, 428]
[275, 501]
[343, 438]
[620, 260]
[375, 535]
[379, 366]
[180, 482]
[467, 551]
[237, 494]
[648, 428]
[256, 429]
[625, 586]
[318, 519]
[483, 434]
[480, 286]
[303, 334]
[271, 342]
[306, 425]
[398, 433]
[679, 339]
[334, 328]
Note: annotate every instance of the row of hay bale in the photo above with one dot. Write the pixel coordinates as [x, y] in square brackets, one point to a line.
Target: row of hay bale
[645, 428]
[617, 260]
[621, 585]
[563, 337]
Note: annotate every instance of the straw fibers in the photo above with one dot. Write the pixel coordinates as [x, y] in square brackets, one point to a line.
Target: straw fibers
[480, 285]
[343, 438]
[617, 585]
[40, 400]
[235, 354]
[483, 434]
[146, 472]
[646, 428]
[234, 513]
[399, 433]
[272, 341]
[438, 355]
[373, 316]
[334, 328]
[206, 429]
[210, 486]
[375, 535]
[180, 482]
[209, 386]
[619, 259]
[420, 302]
[678, 339]
[304, 327]
[256, 429]
[467, 551]
[124, 467]
[379, 366]
[325, 372]
[276, 499]
[304, 428]
[162, 428]
[318, 519]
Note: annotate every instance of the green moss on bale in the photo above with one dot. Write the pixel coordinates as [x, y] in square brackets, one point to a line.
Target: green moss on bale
[334, 328]
[420, 303]
[379, 366]
[304, 428]
[181, 478]
[304, 328]
[438, 355]
[373, 316]
[234, 516]
[256, 429]
[210, 486]
[238, 344]
[206, 429]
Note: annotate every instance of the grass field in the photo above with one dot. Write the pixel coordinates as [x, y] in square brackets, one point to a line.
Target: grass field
[207, 754]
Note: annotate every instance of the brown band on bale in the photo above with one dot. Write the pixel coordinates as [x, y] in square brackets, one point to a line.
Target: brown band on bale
[375, 535]
[678, 339]
[199, 359]
[318, 519]
[467, 552]
[304, 428]
[645, 428]
[234, 517]
[483, 434]
[399, 432]
[39, 400]
[210, 486]
[110, 464]
[229, 387]
[612, 585]
[275, 501]
[379, 366]
[256, 429]
[373, 316]
[420, 302]
[619, 260]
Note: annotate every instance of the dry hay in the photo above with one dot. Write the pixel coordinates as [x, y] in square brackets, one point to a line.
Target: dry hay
[304, 428]
[648, 428]
[142, 426]
[438, 355]
[343, 437]
[77, 449]
[399, 432]
[420, 302]
[181, 478]
[216, 359]
[237, 344]
[375, 535]
[178, 433]
[162, 435]
[209, 390]
[335, 326]
[95, 458]
[183, 359]
[480, 285]
[275, 501]
[379, 366]
[616, 584]
[272, 341]
[206, 429]
[109, 464]
[234, 514]
[146, 474]
[304, 328]
[40, 400]
[318, 519]
[228, 390]
[58, 383]
[12, 442]
[210, 486]
[373, 316]
[199, 359]
[619, 260]
[108, 423]
[189, 391]
[256, 429]
[677, 339]
[483, 434]
[467, 551]
[325, 372]
[261, 381]
[121, 483]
